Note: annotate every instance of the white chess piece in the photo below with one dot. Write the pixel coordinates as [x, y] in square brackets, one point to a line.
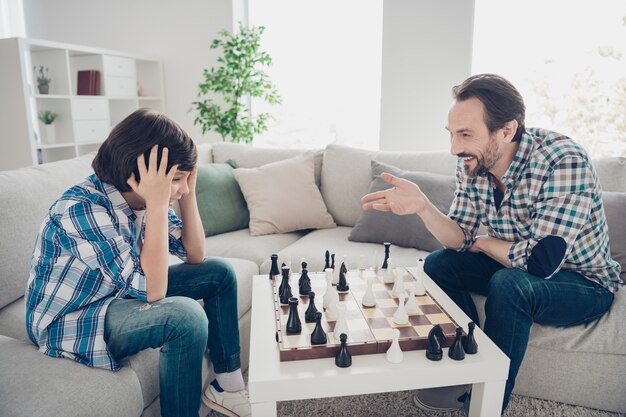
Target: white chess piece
[419, 280]
[332, 312]
[329, 287]
[398, 286]
[369, 300]
[389, 276]
[376, 259]
[411, 307]
[394, 353]
[361, 262]
[341, 325]
[400, 316]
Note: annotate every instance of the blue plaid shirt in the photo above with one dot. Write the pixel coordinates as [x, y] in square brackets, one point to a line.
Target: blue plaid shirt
[85, 256]
[551, 190]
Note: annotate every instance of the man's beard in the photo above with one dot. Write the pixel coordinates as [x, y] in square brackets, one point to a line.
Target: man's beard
[484, 163]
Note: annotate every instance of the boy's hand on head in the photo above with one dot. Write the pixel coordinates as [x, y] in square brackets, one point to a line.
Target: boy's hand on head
[155, 183]
[192, 180]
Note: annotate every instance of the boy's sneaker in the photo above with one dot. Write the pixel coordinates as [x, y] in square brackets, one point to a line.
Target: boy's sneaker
[440, 399]
[232, 404]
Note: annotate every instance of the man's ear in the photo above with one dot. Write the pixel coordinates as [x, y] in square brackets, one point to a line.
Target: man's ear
[508, 131]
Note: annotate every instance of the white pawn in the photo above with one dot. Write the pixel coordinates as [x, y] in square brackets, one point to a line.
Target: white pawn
[329, 287]
[332, 312]
[419, 280]
[400, 316]
[377, 261]
[411, 307]
[369, 300]
[398, 286]
[341, 325]
[394, 353]
[389, 276]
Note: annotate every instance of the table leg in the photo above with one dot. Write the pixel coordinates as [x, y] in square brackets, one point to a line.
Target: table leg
[263, 409]
[487, 399]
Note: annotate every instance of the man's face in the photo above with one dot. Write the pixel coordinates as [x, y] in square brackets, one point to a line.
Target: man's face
[470, 139]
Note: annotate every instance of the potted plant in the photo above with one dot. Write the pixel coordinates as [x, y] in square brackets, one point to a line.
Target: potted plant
[43, 80]
[238, 78]
[48, 117]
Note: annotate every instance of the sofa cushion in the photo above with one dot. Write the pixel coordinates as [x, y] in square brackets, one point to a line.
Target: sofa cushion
[615, 211]
[41, 385]
[27, 194]
[407, 231]
[612, 173]
[346, 175]
[246, 156]
[13, 320]
[313, 246]
[282, 197]
[221, 204]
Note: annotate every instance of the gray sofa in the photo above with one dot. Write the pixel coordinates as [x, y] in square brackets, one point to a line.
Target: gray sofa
[583, 365]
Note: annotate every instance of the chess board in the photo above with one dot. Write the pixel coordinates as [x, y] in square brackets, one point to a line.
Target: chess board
[370, 329]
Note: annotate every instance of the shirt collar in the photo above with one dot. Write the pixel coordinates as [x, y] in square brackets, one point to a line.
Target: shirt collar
[119, 202]
[522, 156]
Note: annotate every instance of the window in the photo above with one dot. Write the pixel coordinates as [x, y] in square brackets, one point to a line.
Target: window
[327, 68]
[567, 58]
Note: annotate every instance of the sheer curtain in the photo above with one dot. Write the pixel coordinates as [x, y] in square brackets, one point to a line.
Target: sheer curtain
[12, 19]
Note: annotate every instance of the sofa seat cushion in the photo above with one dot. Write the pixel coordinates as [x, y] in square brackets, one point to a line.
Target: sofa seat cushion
[39, 382]
[313, 246]
[239, 244]
[13, 320]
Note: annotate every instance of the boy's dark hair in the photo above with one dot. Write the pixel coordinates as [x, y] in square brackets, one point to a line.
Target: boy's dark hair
[501, 99]
[136, 134]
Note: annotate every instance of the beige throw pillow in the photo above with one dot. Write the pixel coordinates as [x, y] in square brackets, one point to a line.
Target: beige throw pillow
[282, 196]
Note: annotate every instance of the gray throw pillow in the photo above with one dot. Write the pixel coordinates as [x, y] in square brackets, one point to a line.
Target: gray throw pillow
[407, 231]
[615, 209]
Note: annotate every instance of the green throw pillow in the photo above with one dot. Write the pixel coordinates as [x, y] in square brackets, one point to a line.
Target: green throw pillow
[220, 201]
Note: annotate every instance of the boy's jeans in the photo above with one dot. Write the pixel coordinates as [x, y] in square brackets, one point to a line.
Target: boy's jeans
[181, 327]
[515, 299]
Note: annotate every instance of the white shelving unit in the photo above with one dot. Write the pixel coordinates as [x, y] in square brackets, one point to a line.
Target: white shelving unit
[127, 82]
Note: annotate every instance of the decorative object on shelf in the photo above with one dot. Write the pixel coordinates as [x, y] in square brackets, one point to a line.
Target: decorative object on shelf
[237, 79]
[48, 117]
[88, 83]
[43, 80]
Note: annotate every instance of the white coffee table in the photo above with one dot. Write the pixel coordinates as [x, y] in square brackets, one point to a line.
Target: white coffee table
[271, 380]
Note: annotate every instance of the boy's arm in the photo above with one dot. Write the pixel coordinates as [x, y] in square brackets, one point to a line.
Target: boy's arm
[193, 232]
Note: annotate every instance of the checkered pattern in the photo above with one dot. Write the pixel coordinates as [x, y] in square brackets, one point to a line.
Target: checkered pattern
[551, 190]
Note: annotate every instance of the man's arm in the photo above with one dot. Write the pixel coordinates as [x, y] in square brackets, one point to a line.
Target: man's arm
[495, 248]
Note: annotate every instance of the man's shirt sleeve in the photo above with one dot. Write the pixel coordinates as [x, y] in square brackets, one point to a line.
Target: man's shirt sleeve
[175, 227]
[560, 213]
[464, 213]
[87, 231]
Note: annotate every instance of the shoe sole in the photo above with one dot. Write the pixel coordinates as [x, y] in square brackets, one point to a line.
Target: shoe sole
[425, 407]
[215, 406]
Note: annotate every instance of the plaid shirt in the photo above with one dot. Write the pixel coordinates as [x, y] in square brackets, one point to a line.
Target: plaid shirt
[551, 190]
[85, 256]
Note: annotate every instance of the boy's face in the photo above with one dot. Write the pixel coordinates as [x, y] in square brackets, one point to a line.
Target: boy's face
[180, 186]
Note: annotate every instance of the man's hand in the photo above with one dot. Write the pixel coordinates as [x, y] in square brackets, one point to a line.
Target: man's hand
[155, 183]
[404, 198]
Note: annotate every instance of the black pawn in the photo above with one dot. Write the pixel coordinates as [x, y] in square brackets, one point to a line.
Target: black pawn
[470, 346]
[274, 269]
[327, 261]
[304, 284]
[332, 264]
[310, 315]
[456, 351]
[387, 246]
[318, 337]
[342, 284]
[293, 322]
[285, 293]
[343, 358]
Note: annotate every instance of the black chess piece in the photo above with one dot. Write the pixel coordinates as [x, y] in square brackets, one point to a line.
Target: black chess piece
[318, 337]
[285, 273]
[274, 269]
[456, 351]
[343, 358]
[293, 321]
[387, 247]
[342, 284]
[285, 294]
[435, 338]
[311, 312]
[470, 346]
[332, 264]
[327, 261]
[304, 284]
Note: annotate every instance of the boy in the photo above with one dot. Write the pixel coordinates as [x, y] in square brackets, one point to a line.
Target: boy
[100, 288]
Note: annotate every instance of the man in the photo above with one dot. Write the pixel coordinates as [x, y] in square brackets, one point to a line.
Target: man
[545, 257]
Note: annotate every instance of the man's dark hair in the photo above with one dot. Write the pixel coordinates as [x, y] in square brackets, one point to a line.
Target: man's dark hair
[501, 99]
[136, 134]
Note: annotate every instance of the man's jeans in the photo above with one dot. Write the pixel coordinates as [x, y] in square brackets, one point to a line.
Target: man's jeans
[181, 327]
[515, 299]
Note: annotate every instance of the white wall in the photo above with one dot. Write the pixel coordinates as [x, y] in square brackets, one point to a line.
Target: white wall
[176, 32]
[427, 49]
